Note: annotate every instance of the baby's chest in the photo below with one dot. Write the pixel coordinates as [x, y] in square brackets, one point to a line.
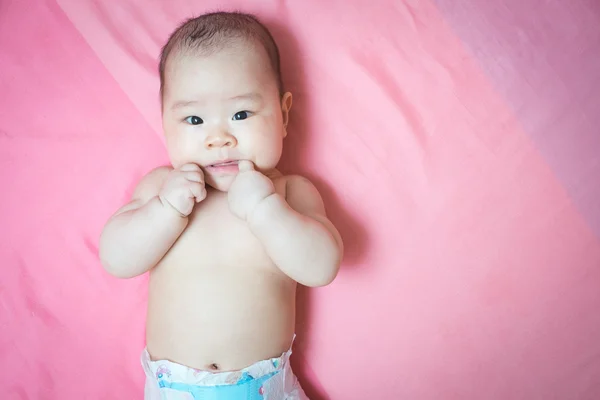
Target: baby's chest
[215, 235]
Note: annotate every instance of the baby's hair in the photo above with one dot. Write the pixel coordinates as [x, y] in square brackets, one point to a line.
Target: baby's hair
[211, 32]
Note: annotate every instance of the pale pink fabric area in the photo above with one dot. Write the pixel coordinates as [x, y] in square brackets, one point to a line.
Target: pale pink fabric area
[472, 271]
[548, 70]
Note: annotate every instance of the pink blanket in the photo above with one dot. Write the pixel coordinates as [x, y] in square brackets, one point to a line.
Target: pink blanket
[457, 148]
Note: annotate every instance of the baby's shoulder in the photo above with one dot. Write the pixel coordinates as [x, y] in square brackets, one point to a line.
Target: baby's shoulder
[296, 183]
[301, 193]
[150, 184]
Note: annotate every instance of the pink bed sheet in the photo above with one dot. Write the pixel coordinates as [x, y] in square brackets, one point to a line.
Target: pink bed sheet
[457, 148]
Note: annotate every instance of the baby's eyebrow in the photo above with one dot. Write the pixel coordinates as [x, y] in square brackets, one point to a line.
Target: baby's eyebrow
[248, 96]
[253, 96]
[181, 104]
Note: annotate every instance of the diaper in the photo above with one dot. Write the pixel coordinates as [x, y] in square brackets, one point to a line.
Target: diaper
[271, 379]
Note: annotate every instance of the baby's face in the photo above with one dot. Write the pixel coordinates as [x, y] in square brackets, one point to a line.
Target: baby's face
[223, 108]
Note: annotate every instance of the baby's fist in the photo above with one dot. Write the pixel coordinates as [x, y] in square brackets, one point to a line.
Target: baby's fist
[183, 188]
[249, 188]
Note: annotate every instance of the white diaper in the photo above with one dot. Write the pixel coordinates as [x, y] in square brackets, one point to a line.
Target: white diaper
[271, 379]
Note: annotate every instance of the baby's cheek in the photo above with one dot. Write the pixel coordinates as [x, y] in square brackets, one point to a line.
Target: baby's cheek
[268, 157]
[173, 157]
[176, 157]
[182, 152]
[270, 150]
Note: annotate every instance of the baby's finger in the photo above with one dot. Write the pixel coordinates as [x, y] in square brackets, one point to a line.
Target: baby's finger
[199, 192]
[189, 167]
[245, 166]
[194, 176]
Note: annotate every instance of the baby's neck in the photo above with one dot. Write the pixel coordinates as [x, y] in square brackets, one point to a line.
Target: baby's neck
[273, 174]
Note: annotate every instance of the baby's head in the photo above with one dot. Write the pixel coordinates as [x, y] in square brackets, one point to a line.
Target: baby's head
[222, 96]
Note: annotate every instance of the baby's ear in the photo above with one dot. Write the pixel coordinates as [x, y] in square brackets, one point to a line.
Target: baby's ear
[286, 105]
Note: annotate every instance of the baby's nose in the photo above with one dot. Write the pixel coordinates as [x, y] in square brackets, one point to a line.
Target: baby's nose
[223, 140]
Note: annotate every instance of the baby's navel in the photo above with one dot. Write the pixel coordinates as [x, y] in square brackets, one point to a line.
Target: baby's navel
[214, 367]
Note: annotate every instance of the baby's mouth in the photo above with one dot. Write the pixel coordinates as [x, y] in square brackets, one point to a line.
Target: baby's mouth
[223, 168]
[224, 164]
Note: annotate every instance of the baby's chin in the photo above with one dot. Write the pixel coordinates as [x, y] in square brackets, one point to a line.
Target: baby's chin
[222, 184]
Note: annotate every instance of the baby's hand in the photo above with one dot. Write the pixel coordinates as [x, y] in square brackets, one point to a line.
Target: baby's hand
[183, 188]
[249, 188]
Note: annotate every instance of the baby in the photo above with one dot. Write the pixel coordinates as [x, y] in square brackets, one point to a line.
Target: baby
[225, 236]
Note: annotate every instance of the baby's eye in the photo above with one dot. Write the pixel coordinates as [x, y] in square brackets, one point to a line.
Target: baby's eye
[193, 120]
[241, 115]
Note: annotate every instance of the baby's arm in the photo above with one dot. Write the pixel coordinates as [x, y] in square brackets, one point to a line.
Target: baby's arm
[139, 234]
[297, 235]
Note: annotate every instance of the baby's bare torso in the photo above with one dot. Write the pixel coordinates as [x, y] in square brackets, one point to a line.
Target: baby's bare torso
[216, 301]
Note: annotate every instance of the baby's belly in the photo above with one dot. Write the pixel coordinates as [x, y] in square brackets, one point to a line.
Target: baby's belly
[219, 318]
